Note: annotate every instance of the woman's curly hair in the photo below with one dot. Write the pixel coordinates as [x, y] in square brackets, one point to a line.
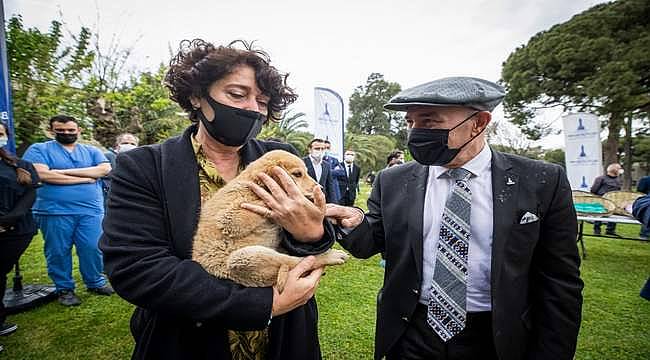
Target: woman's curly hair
[198, 64]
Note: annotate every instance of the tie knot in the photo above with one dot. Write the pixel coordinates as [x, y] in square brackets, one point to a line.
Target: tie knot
[459, 174]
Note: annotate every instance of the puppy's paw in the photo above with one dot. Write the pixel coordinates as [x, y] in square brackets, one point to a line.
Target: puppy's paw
[336, 257]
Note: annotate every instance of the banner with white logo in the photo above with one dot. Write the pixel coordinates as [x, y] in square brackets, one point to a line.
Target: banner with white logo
[5, 88]
[328, 119]
[583, 153]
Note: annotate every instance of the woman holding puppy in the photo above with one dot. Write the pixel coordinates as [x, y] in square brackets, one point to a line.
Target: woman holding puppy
[182, 311]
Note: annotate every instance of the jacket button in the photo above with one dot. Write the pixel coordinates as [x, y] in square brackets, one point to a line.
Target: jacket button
[199, 324]
[405, 318]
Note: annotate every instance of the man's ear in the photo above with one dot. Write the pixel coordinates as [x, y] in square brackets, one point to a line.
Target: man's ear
[483, 119]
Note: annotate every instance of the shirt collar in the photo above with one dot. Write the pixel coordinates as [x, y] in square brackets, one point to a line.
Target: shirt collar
[477, 165]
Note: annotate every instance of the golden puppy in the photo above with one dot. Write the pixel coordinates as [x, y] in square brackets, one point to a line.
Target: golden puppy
[240, 245]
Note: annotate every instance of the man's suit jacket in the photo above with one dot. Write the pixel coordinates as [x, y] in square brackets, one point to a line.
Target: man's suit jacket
[348, 184]
[326, 180]
[182, 311]
[535, 280]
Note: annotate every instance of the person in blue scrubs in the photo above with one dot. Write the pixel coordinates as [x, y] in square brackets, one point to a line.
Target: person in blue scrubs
[69, 207]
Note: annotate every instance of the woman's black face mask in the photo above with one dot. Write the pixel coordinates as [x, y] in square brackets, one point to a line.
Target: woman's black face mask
[431, 146]
[231, 126]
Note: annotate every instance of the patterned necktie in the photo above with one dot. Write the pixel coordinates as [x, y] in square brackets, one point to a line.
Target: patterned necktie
[446, 309]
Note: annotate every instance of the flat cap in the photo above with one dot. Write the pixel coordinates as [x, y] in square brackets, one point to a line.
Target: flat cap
[470, 92]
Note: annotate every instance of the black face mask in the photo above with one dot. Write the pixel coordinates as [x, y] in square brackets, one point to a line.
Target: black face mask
[66, 139]
[430, 146]
[231, 126]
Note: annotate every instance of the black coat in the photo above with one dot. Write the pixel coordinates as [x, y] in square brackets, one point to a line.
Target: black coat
[182, 311]
[535, 280]
[16, 200]
[326, 179]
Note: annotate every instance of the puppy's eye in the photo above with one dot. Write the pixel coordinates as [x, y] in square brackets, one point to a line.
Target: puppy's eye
[296, 174]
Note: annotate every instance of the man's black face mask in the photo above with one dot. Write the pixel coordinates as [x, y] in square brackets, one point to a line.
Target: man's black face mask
[66, 139]
[431, 146]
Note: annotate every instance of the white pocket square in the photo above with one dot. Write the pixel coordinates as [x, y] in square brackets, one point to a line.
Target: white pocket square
[528, 218]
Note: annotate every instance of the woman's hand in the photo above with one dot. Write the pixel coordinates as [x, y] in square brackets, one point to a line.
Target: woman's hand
[299, 288]
[288, 206]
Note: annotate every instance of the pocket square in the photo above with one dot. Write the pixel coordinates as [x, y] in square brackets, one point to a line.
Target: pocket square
[528, 218]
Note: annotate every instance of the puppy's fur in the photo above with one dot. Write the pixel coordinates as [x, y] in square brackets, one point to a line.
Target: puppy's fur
[242, 246]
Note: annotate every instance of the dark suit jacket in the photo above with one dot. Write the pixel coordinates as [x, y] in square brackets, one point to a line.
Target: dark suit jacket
[535, 280]
[326, 180]
[348, 185]
[644, 185]
[182, 311]
[641, 210]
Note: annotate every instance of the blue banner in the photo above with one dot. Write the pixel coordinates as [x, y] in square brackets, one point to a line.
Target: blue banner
[5, 87]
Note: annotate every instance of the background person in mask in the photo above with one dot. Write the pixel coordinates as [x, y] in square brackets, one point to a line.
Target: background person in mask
[337, 170]
[480, 246]
[349, 182]
[603, 184]
[123, 143]
[69, 207]
[156, 193]
[320, 170]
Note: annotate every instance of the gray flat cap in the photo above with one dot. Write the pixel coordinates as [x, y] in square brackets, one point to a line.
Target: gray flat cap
[471, 92]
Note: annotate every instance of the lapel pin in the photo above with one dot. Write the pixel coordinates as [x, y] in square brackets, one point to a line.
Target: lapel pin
[510, 181]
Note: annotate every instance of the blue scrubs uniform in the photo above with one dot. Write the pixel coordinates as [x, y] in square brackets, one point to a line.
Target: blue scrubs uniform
[70, 215]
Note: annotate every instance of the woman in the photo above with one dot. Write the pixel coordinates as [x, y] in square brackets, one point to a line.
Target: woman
[18, 180]
[156, 192]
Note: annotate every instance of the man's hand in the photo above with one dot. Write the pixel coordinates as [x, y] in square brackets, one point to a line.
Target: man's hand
[300, 287]
[344, 216]
[288, 207]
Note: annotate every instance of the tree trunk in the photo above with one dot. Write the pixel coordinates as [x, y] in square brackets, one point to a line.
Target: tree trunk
[627, 166]
[610, 150]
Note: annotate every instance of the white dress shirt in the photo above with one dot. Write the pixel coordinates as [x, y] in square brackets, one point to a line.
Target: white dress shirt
[439, 187]
[318, 170]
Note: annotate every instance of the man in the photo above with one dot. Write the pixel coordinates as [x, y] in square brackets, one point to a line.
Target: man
[320, 170]
[644, 187]
[123, 142]
[68, 207]
[604, 184]
[336, 172]
[327, 155]
[480, 246]
[349, 181]
[396, 157]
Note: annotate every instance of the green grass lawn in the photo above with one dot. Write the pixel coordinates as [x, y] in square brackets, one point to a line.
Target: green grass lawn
[616, 321]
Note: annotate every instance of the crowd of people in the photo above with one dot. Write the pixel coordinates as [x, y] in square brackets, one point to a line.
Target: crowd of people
[479, 246]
